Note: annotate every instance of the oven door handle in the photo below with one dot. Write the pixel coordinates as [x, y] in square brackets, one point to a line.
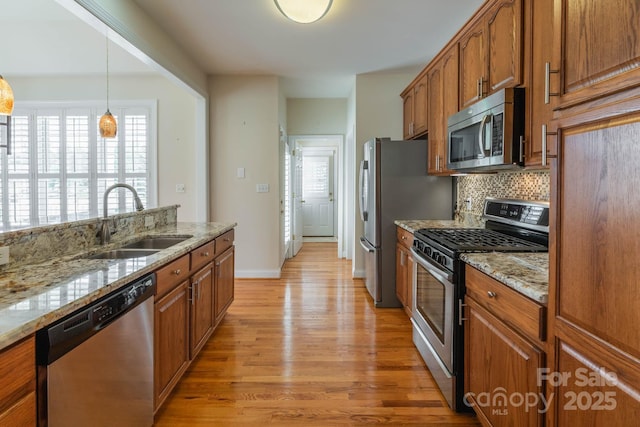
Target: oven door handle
[442, 276]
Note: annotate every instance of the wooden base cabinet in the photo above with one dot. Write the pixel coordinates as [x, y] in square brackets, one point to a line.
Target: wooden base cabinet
[502, 364]
[404, 269]
[223, 285]
[171, 341]
[18, 379]
[193, 295]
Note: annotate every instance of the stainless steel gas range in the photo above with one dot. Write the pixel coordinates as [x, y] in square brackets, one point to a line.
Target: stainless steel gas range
[439, 289]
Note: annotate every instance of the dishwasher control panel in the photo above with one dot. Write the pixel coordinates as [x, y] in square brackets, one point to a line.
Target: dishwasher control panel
[58, 338]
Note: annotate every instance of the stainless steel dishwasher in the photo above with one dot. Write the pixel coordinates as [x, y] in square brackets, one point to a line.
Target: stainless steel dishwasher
[95, 366]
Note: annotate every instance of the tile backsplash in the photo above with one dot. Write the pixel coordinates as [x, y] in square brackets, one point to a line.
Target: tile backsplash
[473, 189]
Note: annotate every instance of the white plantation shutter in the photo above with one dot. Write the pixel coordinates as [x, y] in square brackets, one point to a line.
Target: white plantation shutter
[60, 166]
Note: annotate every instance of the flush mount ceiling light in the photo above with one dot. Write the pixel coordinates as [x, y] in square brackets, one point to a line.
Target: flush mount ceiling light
[108, 126]
[304, 11]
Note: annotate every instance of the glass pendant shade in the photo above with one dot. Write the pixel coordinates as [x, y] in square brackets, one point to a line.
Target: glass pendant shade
[304, 11]
[6, 98]
[108, 126]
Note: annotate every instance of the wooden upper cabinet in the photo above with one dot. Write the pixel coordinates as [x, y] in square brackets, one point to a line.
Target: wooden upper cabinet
[407, 113]
[473, 64]
[599, 50]
[504, 42]
[539, 103]
[450, 67]
[415, 103]
[436, 134]
[491, 52]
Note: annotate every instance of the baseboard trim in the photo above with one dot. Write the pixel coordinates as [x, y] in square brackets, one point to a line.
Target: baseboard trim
[257, 274]
[358, 274]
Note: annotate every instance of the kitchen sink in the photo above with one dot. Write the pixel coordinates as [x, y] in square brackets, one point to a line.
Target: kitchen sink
[156, 242]
[124, 253]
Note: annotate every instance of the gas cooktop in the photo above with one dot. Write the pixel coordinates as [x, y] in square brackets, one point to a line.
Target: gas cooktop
[477, 239]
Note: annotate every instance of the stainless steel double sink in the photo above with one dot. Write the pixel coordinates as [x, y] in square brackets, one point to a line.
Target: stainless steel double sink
[141, 248]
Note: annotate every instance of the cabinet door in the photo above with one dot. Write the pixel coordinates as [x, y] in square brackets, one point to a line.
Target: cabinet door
[504, 38]
[539, 104]
[21, 414]
[171, 340]
[401, 273]
[473, 64]
[436, 133]
[593, 293]
[202, 303]
[500, 366]
[420, 109]
[407, 114]
[449, 100]
[599, 48]
[224, 285]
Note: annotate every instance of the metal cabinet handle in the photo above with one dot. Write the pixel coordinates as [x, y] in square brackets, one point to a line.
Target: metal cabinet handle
[547, 77]
[461, 317]
[491, 294]
[521, 148]
[177, 272]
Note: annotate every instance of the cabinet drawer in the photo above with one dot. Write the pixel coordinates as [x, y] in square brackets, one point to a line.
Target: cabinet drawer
[508, 305]
[171, 274]
[202, 255]
[224, 241]
[405, 237]
[18, 372]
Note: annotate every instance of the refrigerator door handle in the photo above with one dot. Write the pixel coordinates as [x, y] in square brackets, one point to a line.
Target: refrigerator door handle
[363, 214]
[366, 245]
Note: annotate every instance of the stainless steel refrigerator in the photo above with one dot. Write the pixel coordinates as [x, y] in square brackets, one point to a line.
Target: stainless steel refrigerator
[394, 185]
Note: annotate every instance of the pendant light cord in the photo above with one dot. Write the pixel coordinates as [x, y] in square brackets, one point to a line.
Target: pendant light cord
[107, 38]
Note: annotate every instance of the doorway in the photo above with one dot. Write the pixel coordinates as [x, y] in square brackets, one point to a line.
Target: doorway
[317, 181]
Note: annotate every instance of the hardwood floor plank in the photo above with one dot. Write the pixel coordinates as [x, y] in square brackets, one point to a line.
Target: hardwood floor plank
[309, 349]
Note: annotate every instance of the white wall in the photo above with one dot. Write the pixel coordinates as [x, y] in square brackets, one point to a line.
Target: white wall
[316, 116]
[244, 115]
[176, 123]
[378, 110]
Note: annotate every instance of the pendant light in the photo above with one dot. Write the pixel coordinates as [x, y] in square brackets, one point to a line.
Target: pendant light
[6, 98]
[108, 126]
[6, 109]
[304, 11]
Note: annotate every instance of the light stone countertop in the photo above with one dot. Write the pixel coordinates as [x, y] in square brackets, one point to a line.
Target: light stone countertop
[527, 273]
[34, 296]
[413, 225]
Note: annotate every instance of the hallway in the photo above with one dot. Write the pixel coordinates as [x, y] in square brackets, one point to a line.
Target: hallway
[309, 349]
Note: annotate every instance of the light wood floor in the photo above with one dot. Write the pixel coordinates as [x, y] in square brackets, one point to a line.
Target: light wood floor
[309, 349]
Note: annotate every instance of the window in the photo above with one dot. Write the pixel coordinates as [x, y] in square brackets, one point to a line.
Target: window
[60, 166]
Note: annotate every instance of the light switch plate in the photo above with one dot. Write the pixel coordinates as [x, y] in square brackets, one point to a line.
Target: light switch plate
[240, 173]
[262, 188]
[180, 188]
[4, 255]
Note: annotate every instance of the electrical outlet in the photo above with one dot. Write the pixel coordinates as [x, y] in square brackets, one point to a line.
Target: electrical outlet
[180, 188]
[149, 221]
[4, 255]
[467, 204]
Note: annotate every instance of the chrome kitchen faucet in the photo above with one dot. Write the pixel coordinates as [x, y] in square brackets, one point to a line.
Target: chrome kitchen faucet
[105, 232]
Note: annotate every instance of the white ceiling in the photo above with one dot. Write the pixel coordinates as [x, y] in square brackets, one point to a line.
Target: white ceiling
[245, 37]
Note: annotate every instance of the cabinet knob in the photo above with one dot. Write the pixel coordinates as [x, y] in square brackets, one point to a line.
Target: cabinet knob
[491, 294]
[177, 272]
[205, 254]
[404, 237]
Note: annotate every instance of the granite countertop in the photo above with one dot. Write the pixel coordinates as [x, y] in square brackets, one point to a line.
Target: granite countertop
[34, 296]
[527, 273]
[413, 225]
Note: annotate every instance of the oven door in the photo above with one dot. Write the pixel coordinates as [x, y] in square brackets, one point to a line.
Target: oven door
[433, 308]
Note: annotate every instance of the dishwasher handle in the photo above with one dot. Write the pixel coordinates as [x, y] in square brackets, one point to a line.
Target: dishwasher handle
[57, 339]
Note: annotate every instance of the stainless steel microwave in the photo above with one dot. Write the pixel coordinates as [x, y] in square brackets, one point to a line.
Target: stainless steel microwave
[489, 135]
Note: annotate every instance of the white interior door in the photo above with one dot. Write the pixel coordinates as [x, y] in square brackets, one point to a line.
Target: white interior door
[297, 200]
[318, 194]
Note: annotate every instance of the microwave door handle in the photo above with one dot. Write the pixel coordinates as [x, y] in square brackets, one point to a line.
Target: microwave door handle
[481, 135]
